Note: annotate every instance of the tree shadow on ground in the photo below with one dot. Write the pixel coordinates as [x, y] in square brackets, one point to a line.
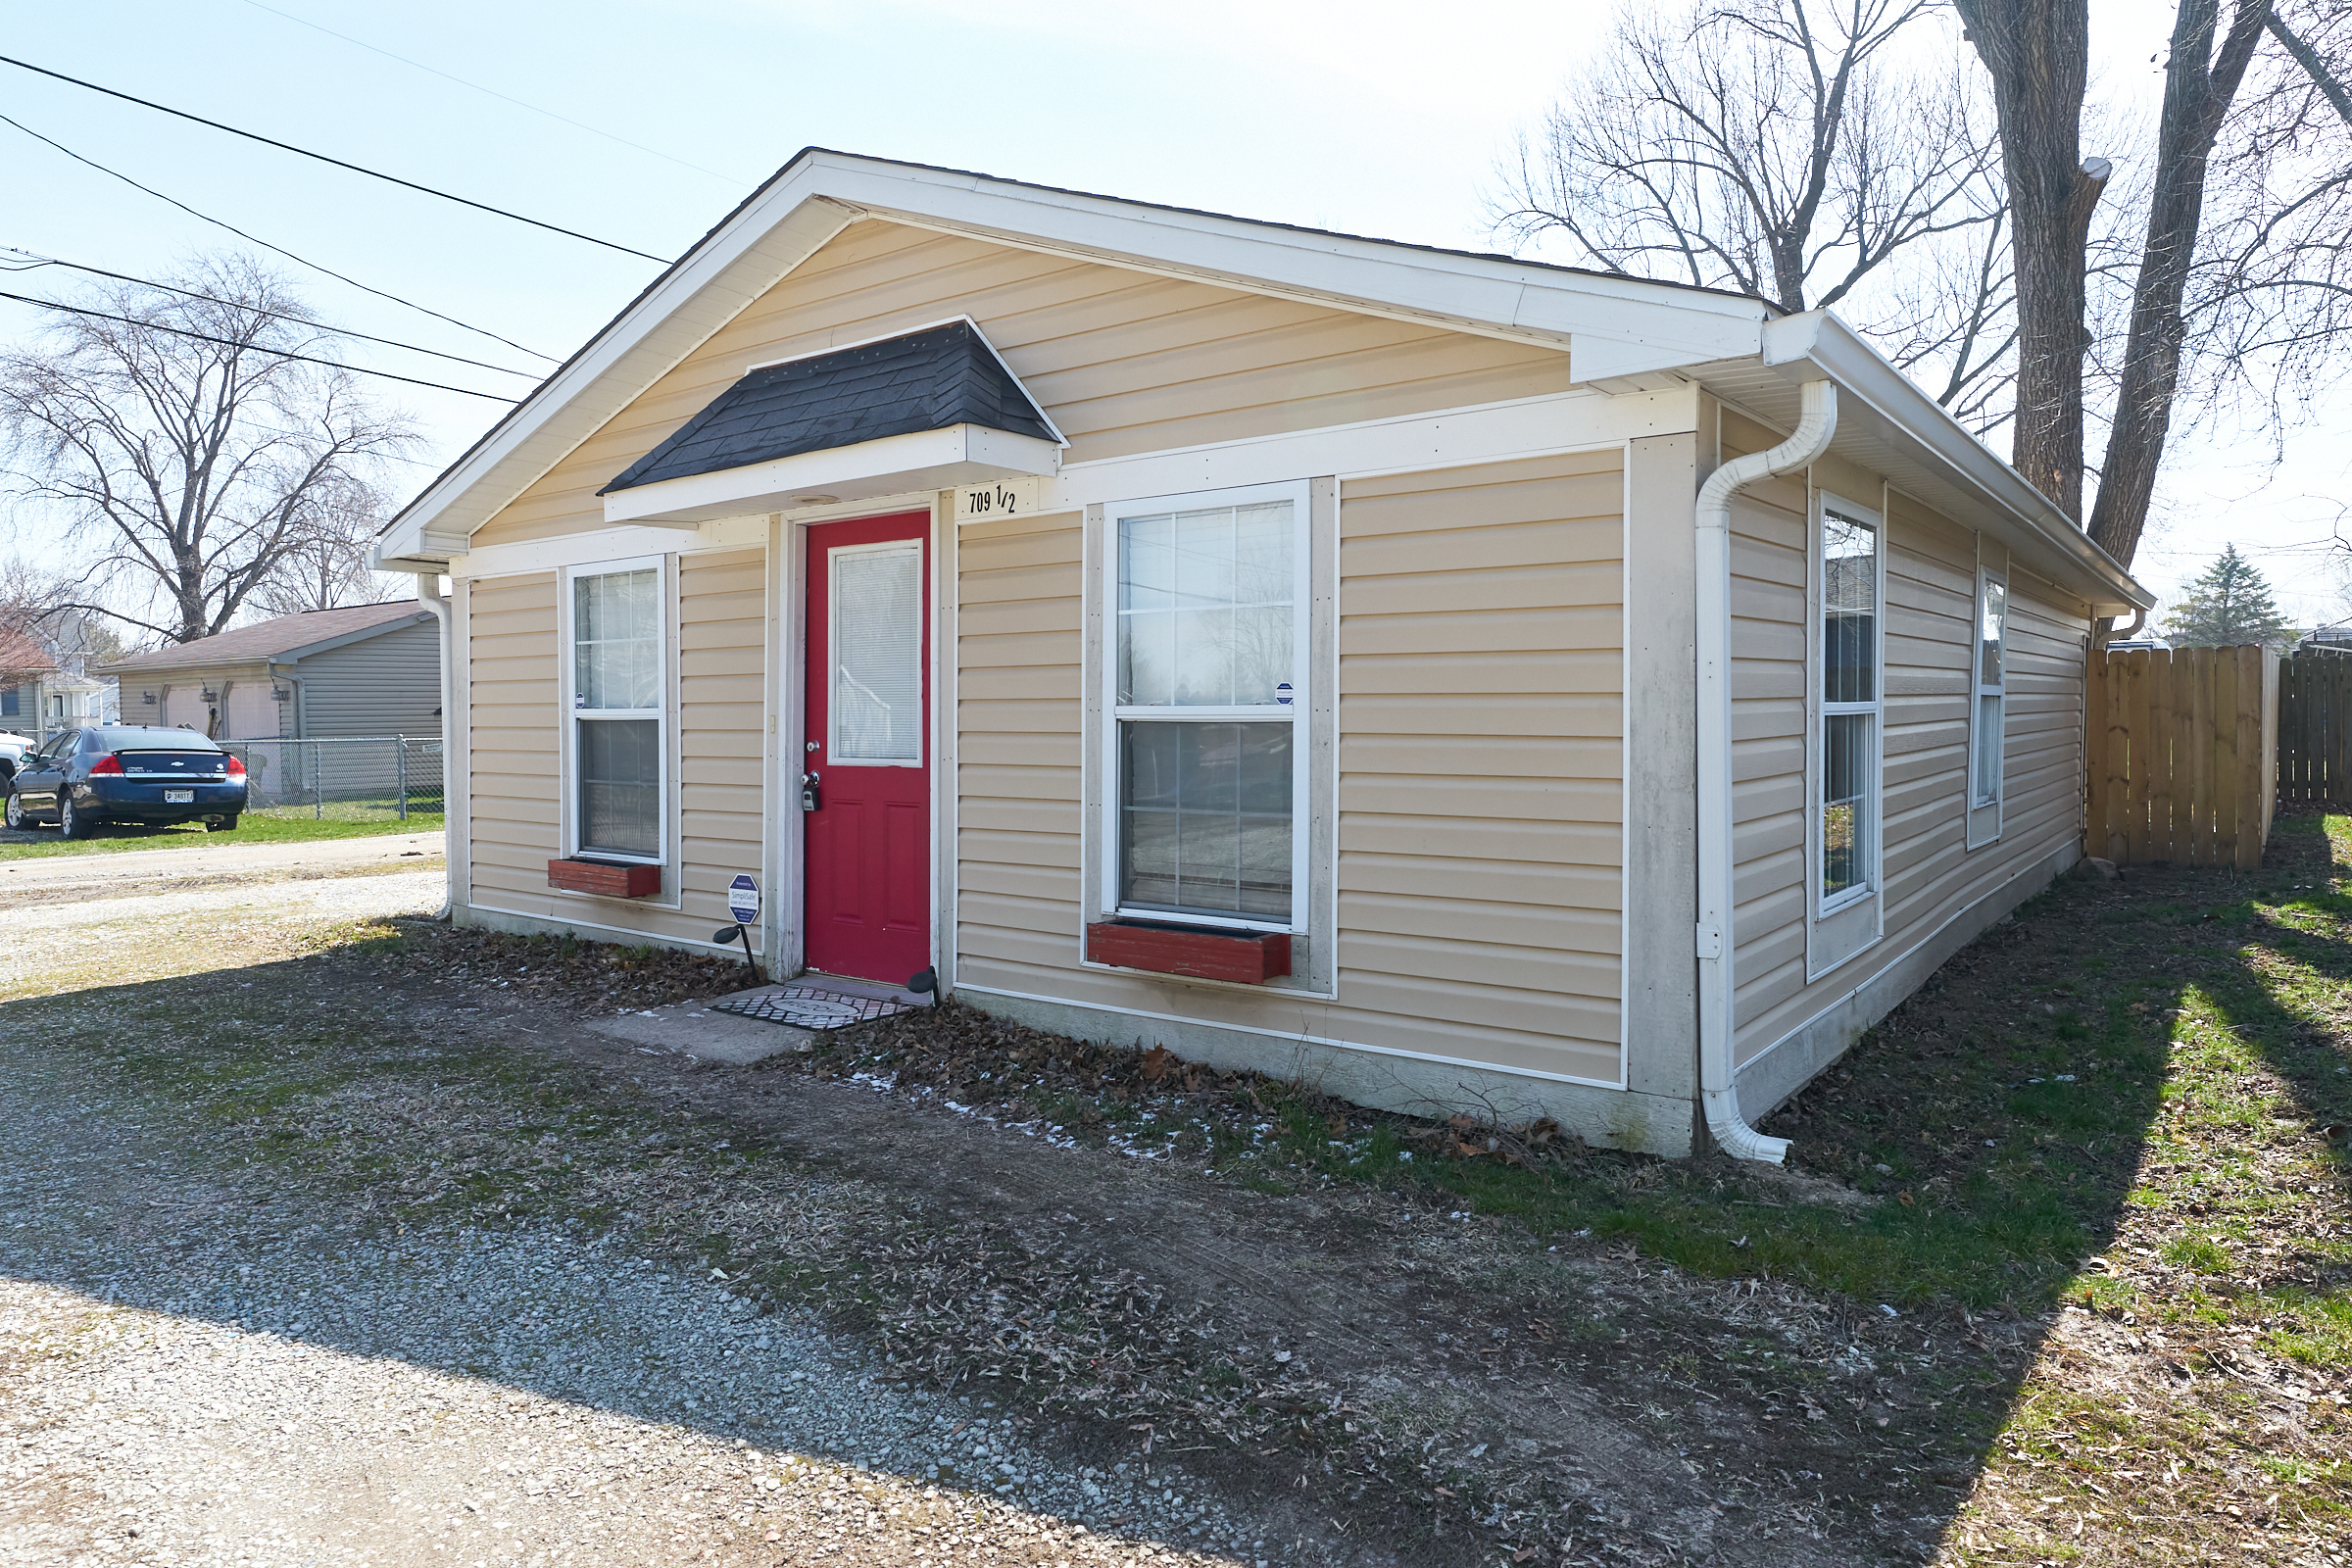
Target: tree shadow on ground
[2120, 1064]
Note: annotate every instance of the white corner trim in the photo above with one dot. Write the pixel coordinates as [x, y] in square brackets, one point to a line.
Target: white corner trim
[919, 461]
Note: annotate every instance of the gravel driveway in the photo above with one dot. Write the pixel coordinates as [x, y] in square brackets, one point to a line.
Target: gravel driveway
[202, 1365]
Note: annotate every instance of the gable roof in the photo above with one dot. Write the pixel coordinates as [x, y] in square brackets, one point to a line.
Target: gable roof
[1620, 332]
[1618, 325]
[282, 641]
[923, 380]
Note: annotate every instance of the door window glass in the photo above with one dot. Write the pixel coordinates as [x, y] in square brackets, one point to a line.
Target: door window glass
[876, 702]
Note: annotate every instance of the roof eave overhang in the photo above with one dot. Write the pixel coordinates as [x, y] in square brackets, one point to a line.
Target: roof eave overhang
[1609, 327]
[285, 655]
[1887, 424]
[921, 459]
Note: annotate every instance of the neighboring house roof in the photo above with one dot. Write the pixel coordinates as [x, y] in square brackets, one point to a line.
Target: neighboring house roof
[926, 380]
[280, 641]
[1622, 334]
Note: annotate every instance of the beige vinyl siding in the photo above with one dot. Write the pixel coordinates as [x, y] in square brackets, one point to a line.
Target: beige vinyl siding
[1930, 876]
[1480, 786]
[723, 660]
[1019, 739]
[514, 730]
[1124, 362]
[1481, 749]
[1769, 521]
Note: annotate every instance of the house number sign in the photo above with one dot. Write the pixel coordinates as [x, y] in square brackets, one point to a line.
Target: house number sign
[997, 497]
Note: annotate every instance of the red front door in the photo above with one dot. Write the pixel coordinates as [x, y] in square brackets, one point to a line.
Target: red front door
[869, 745]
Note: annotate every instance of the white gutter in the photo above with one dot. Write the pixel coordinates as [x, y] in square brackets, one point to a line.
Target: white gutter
[1713, 520]
[429, 595]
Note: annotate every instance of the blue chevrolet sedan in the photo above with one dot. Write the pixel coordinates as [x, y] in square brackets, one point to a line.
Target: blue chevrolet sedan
[79, 778]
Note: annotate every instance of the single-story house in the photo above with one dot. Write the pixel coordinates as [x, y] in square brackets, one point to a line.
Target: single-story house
[360, 669]
[1467, 683]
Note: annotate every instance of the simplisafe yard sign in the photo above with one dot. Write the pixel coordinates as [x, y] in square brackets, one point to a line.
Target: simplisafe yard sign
[743, 898]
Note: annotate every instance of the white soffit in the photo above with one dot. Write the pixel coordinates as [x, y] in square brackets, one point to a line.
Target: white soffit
[1611, 326]
[921, 459]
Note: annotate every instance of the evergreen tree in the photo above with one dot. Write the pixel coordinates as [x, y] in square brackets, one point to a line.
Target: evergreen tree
[2228, 605]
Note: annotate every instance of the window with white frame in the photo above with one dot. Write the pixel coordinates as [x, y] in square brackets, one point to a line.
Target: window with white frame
[1208, 742]
[1991, 688]
[618, 712]
[1851, 712]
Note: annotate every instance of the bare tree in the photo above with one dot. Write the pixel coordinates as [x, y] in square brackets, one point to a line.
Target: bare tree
[2241, 268]
[2269, 302]
[196, 463]
[332, 570]
[1775, 148]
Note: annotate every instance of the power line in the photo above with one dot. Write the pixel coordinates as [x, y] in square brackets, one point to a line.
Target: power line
[252, 348]
[418, 65]
[305, 152]
[40, 261]
[265, 245]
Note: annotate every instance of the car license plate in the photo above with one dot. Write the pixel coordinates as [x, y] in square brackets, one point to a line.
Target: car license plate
[179, 796]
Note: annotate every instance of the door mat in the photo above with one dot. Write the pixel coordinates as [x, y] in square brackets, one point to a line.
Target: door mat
[808, 1007]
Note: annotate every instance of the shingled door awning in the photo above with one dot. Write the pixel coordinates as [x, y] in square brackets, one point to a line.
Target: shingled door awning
[925, 410]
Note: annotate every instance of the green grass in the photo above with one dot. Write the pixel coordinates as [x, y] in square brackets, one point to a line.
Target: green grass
[276, 825]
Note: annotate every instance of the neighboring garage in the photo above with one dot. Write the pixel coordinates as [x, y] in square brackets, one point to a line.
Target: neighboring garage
[361, 670]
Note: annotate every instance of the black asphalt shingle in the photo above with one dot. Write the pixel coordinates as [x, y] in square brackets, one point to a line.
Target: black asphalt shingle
[925, 380]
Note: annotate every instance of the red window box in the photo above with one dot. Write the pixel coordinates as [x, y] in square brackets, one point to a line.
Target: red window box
[1251, 956]
[615, 879]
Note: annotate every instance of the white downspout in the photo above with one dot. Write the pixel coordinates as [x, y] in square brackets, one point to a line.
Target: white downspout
[1717, 1087]
[429, 595]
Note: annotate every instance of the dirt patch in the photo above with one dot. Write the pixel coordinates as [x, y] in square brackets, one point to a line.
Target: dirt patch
[580, 978]
[1125, 1247]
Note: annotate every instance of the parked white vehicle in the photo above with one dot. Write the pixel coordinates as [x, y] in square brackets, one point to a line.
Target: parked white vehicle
[12, 752]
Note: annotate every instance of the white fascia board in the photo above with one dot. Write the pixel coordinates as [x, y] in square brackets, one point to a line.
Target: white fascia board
[1625, 325]
[921, 459]
[599, 545]
[1820, 340]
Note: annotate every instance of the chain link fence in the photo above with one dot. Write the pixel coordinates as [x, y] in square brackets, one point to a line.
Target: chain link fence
[363, 779]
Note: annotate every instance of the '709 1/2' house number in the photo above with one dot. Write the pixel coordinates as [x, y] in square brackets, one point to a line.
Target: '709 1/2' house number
[1001, 498]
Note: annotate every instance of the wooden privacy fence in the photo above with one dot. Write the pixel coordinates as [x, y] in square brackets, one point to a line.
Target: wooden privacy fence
[2181, 741]
[2315, 728]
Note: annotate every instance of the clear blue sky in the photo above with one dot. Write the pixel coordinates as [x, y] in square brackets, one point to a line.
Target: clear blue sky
[1378, 118]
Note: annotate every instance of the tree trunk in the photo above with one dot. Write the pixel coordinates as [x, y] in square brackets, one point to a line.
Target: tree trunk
[2197, 91]
[2038, 52]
